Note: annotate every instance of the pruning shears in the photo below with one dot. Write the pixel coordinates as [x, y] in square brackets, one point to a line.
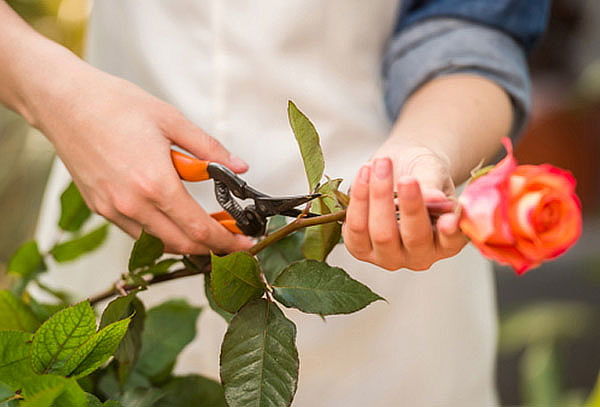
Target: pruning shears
[250, 220]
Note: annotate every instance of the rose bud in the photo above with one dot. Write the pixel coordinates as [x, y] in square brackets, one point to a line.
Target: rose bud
[521, 215]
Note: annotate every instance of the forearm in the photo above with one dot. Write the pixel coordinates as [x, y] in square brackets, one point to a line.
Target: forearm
[461, 117]
[32, 67]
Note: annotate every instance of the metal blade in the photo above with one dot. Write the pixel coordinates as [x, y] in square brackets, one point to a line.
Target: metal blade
[270, 205]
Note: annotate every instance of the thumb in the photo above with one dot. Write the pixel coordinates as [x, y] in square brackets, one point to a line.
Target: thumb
[190, 137]
[434, 180]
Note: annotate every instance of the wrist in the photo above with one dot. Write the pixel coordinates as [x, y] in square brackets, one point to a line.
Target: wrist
[43, 78]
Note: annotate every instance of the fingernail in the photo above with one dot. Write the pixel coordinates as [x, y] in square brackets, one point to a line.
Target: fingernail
[364, 174]
[237, 162]
[383, 168]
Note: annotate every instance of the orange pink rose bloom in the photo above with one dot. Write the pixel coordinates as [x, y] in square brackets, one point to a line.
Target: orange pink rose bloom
[521, 215]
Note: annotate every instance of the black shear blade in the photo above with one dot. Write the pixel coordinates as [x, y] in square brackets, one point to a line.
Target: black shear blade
[271, 205]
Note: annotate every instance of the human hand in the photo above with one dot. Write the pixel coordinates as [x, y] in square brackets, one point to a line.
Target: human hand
[114, 138]
[372, 232]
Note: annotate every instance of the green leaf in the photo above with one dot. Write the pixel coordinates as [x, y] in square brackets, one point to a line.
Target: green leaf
[146, 250]
[44, 398]
[169, 327]
[235, 280]
[27, 261]
[93, 400]
[274, 258]
[318, 288]
[15, 315]
[5, 392]
[14, 358]
[52, 390]
[55, 342]
[192, 390]
[320, 240]
[129, 348]
[73, 210]
[72, 249]
[329, 198]
[259, 360]
[161, 267]
[97, 349]
[139, 397]
[310, 147]
[43, 311]
[211, 301]
[128, 352]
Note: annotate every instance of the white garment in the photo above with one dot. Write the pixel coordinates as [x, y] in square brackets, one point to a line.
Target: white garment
[231, 67]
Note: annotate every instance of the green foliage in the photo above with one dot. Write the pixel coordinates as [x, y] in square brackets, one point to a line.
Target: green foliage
[169, 327]
[308, 141]
[14, 314]
[52, 391]
[160, 267]
[320, 240]
[192, 390]
[74, 248]
[235, 280]
[68, 355]
[27, 261]
[259, 360]
[318, 288]
[146, 250]
[227, 316]
[141, 397]
[127, 353]
[67, 344]
[74, 212]
[14, 358]
[274, 258]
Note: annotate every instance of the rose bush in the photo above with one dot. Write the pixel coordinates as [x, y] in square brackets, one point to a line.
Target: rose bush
[521, 215]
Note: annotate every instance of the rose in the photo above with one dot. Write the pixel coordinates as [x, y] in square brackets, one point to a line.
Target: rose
[521, 215]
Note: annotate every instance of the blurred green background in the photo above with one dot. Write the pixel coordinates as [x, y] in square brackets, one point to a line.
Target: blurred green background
[549, 352]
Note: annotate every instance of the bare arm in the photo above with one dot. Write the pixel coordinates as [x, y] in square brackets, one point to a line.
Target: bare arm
[114, 139]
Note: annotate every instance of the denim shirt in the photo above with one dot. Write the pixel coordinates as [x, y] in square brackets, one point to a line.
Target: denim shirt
[489, 38]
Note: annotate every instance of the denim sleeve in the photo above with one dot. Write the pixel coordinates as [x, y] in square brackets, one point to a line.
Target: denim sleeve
[434, 41]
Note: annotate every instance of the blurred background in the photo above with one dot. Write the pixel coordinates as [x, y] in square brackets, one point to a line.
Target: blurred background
[549, 353]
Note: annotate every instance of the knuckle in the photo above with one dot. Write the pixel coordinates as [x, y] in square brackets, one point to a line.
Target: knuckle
[125, 206]
[383, 237]
[184, 248]
[104, 210]
[150, 187]
[420, 240]
[356, 227]
[198, 231]
[359, 253]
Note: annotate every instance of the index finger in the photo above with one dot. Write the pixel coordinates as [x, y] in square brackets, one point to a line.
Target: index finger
[197, 224]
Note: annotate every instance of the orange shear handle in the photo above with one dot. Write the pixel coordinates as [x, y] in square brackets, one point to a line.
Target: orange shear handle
[190, 168]
[193, 169]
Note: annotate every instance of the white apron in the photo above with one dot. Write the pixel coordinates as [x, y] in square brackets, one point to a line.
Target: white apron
[231, 66]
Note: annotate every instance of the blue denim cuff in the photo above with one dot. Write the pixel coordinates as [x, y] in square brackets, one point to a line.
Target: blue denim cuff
[443, 46]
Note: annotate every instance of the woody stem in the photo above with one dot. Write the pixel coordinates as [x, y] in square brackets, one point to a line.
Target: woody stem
[200, 264]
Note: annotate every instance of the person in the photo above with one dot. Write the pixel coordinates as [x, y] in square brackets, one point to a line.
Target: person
[214, 78]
